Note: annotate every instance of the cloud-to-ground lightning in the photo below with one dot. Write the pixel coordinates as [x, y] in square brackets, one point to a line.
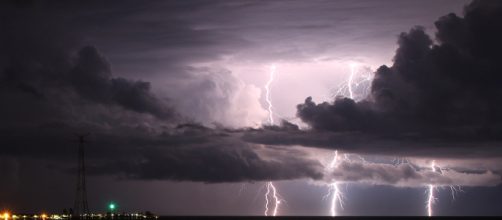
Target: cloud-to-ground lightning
[358, 84]
[272, 192]
[334, 191]
[431, 199]
[356, 87]
[271, 189]
[266, 199]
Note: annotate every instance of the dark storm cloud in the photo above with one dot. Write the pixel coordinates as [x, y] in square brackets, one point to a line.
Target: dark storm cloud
[188, 152]
[210, 163]
[407, 145]
[159, 41]
[410, 174]
[92, 79]
[191, 152]
[436, 99]
[128, 143]
[449, 89]
[88, 77]
[43, 61]
[54, 85]
[98, 66]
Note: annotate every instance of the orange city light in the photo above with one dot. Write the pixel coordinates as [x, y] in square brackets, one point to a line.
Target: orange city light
[6, 215]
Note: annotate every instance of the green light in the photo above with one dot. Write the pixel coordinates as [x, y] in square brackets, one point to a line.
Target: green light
[111, 206]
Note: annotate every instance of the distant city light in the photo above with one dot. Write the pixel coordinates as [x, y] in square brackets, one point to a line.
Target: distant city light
[6, 215]
[45, 216]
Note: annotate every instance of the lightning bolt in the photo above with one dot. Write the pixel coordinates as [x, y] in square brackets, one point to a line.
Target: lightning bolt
[336, 197]
[266, 198]
[351, 86]
[454, 191]
[334, 191]
[269, 94]
[351, 79]
[271, 189]
[357, 86]
[431, 199]
[272, 192]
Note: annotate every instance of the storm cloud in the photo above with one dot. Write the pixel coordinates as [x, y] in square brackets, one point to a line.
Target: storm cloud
[54, 85]
[57, 79]
[449, 89]
[47, 68]
[407, 175]
[439, 99]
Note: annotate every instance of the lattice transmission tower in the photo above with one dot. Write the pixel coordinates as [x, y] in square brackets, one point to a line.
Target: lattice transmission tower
[80, 206]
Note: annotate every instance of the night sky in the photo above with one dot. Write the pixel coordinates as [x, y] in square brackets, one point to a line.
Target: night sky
[193, 107]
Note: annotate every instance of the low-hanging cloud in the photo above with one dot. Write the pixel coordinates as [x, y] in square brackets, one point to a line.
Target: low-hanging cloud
[407, 175]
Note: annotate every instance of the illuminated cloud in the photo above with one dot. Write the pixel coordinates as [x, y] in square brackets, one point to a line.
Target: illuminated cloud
[407, 175]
